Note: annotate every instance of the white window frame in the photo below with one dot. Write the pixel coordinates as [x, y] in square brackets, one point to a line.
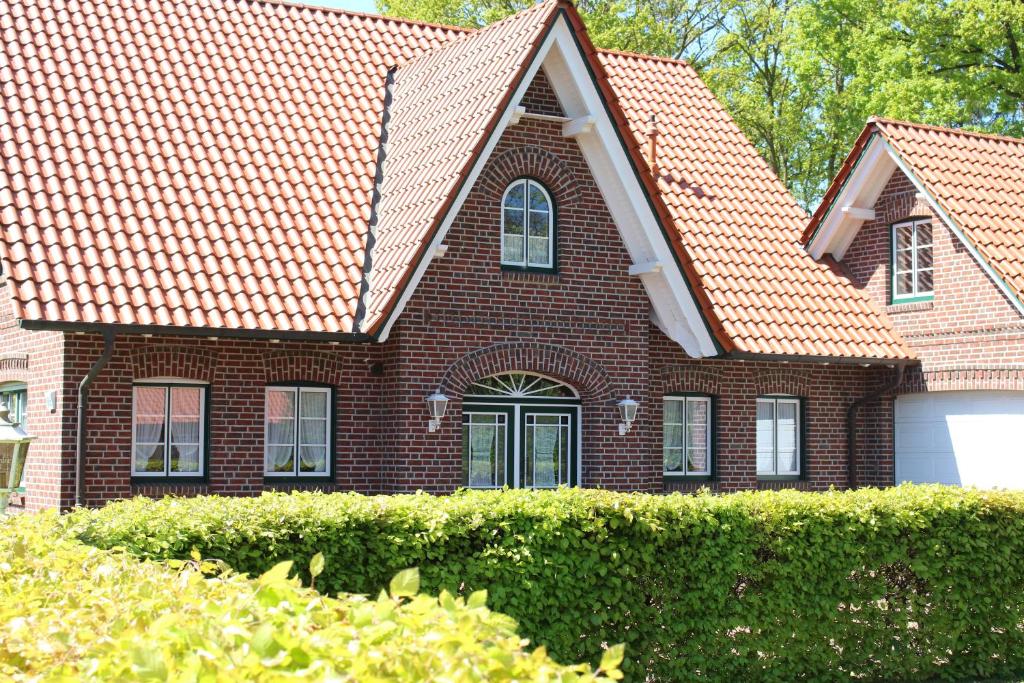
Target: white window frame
[687, 401]
[915, 271]
[797, 403]
[529, 183]
[167, 385]
[297, 390]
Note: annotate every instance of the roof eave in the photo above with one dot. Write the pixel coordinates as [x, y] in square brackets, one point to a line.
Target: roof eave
[181, 331]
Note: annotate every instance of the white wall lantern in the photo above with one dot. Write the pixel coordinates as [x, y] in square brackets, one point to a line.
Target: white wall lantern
[627, 411]
[18, 439]
[437, 403]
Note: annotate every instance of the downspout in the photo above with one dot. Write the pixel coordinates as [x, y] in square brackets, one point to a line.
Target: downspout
[83, 399]
[851, 423]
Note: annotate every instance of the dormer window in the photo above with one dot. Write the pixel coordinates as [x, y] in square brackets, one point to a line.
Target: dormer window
[912, 261]
[527, 227]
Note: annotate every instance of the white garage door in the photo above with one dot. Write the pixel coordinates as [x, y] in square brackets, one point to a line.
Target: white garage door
[972, 438]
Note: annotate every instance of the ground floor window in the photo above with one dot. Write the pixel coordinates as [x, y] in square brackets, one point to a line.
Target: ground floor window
[686, 435]
[520, 430]
[778, 436]
[168, 430]
[15, 397]
[298, 431]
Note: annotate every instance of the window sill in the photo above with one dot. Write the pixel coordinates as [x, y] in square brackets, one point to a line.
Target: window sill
[779, 477]
[518, 275]
[293, 480]
[167, 481]
[671, 476]
[910, 305]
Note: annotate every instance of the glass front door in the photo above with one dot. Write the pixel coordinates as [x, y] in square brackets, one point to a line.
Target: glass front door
[520, 431]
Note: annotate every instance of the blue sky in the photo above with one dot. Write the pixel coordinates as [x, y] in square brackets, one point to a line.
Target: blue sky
[358, 5]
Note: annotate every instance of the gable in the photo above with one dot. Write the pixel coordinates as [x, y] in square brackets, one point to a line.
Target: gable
[974, 183]
[658, 263]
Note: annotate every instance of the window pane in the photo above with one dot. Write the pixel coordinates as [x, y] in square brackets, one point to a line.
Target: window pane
[513, 222]
[903, 236]
[313, 459]
[149, 457]
[538, 201]
[514, 197]
[313, 432]
[673, 412]
[150, 415]
[280, 403]
[539, 251]
[904, 261]
[673, 436]
[483, 450]
[904, 284]
[673, 459]
[546, 442]
[925, 283]
[924, 234]
[697, 411]
[787, 431]
[924, 257]
[186, 416]
[512, 249]
[313, 403]
[765, 437]
[281, 459]
[185, 459]
[697, 436]
[697, 461]
[539, 224]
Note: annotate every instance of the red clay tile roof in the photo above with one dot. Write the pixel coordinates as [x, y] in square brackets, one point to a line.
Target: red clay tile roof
[187, 164]
[445, 105]
[741, 226]
[166, 163]
[976, 179]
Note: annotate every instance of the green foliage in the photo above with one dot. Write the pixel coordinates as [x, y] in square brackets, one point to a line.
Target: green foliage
[908, 583]
[75, 613]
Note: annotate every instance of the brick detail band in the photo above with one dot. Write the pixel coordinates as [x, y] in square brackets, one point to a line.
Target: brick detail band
[179, 362]
[536, 162]
[302, 366]
[688, 378]
[558, 362]
[782, 381]
[963, 379]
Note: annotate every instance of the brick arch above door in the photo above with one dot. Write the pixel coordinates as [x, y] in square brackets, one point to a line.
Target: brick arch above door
[582, 373]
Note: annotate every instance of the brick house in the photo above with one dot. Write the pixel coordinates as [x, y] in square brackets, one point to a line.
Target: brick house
[243, 243]
[947, 208]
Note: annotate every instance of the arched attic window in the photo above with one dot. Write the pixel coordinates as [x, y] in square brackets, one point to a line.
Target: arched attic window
[528, 240]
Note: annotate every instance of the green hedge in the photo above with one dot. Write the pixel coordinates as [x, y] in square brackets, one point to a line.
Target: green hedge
[908, 583]
[69, 612]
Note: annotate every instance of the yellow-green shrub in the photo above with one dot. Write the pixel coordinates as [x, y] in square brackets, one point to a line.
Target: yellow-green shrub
[908, 583]
[69, 612]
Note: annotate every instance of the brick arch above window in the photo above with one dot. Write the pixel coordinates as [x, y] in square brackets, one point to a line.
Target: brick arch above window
[535, 162]
[782, 381]
[302, 366]
[557, 362]
[180, 362]
[686, 378]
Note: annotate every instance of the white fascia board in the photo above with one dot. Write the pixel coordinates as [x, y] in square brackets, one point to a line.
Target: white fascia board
[675, 309]
[922, 191]
[870, 174]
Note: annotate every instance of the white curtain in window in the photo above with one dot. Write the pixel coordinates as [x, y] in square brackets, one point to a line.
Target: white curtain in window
[150, 412]
[280, 436]
[766, 437]
[186, 415]
[787, 437]
[483, 451]
[546, 454]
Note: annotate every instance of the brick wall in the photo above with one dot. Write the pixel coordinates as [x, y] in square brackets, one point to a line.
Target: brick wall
[969, 336]
[36, 358]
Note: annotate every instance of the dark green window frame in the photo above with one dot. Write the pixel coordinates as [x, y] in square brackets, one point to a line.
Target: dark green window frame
[15, 395]
[293, 477]
[166, 477]
[712, 435]
[916, 295]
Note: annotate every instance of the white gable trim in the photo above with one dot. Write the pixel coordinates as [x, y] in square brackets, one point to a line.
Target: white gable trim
[675, 310]
[869, 177]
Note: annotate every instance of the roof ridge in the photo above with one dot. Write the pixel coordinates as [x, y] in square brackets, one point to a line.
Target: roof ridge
[354, 13]
[944, 129]
[641, 55]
